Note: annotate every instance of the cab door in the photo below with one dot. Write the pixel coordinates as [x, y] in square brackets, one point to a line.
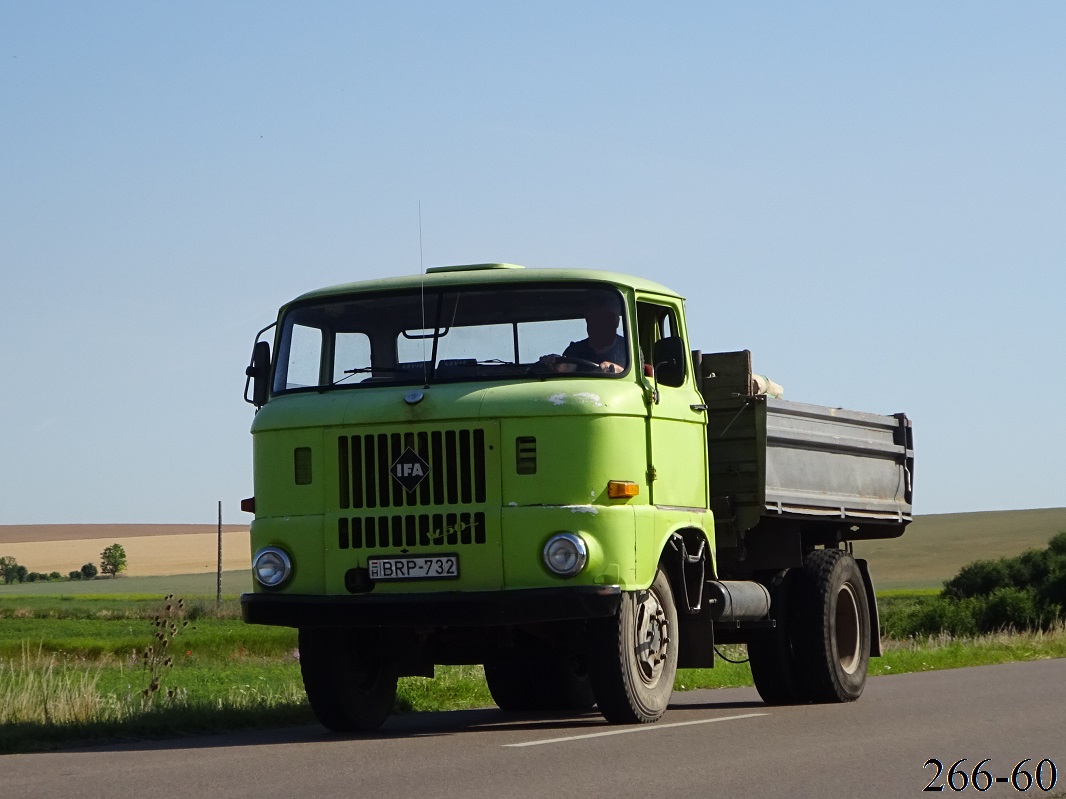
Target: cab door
[677, 421]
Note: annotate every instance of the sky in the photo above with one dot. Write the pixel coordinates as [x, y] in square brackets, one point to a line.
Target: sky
[869, 197]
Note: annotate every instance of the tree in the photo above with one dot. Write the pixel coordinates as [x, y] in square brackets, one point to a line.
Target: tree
[113, 559]
[8, 569]
[88, 571]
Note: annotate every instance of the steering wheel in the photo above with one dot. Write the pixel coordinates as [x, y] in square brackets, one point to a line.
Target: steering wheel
[581, 363]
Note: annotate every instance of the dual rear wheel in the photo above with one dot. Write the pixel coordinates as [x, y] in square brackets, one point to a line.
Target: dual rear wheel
[819, 650]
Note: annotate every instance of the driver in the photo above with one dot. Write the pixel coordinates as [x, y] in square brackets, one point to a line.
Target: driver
[603, 346]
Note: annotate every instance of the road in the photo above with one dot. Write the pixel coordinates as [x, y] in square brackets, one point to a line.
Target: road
[722, 743]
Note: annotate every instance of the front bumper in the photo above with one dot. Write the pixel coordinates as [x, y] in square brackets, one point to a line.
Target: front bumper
[449, 609]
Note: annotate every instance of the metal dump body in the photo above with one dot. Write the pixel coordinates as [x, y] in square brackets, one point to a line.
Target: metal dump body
[823, 467]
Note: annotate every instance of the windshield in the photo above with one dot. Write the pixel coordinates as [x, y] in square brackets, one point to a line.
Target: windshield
[495, 333]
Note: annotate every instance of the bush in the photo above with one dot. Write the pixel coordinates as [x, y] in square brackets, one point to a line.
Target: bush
[977, 579]
[75, 575]
[1025, 592]
[56, 576]
[932, 615]
[33, 577]
[88, 571]
[1010, 608]
[1057, 545]
[1053, 591]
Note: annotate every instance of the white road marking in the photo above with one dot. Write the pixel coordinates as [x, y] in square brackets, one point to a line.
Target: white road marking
[642, 728]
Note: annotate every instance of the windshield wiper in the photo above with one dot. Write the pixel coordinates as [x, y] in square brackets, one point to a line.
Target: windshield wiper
[362, 370]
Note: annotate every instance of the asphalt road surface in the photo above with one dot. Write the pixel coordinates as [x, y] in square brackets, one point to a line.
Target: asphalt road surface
[714, 743]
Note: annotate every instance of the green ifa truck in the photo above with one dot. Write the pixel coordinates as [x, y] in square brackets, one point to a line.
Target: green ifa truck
[533, 470]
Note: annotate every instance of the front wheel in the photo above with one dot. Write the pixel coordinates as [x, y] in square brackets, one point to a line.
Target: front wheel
[350, 685]
[633, 656]
[550, 682]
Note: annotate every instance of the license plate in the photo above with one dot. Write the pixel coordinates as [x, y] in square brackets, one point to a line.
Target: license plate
[418, 567]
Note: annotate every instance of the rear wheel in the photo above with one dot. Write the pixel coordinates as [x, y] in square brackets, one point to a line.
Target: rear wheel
[774, 667]
[350, 684]
[633, 656]
[834, 639]
[819, 648]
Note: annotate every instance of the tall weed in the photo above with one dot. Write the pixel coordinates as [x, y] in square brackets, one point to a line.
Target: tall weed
[40, 688]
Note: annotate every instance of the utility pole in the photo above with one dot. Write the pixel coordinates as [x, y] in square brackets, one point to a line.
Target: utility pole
[218, 594]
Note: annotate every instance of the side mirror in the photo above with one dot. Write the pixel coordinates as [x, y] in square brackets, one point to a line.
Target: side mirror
[670, 356]
[257, 374]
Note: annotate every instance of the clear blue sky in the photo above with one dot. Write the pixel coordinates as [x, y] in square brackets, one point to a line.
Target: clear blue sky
[870, 197]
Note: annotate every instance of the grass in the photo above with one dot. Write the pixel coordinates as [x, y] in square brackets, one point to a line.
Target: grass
[72, 671]
[72, 667]
[933, 653]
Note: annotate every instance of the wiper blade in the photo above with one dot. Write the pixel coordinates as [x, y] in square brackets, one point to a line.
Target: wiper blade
[362, 370]
[365, 369]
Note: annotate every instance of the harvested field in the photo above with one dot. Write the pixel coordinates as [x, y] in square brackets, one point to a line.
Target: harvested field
[932, 550]
[160, 549]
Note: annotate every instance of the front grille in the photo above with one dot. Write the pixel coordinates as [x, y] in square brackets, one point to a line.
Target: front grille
[456, 475]
[413, 530]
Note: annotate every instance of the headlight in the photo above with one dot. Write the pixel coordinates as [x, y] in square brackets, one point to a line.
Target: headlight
[271, 567]
[565, 554]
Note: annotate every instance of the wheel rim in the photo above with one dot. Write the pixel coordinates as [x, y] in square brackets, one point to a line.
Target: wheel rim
[652, 638]
[848, 631]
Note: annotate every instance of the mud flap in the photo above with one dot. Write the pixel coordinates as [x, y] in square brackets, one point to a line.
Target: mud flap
[690, 571]
[695, 626]
[871, 600]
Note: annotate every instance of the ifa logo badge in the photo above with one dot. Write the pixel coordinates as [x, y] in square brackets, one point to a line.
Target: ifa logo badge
[409, 470]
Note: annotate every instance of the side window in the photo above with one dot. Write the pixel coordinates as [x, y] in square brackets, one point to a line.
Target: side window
[661, 345]
[303, 360]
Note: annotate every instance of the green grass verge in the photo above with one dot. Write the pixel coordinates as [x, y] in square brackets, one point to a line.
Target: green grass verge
[71, 671]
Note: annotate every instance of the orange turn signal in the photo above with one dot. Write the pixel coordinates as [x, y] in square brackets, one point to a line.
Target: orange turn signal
[622, 489]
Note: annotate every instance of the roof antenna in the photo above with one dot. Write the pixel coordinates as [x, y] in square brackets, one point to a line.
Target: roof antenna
[422, 271]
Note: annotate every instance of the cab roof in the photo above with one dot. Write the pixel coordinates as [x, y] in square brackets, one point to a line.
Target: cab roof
[486, 275]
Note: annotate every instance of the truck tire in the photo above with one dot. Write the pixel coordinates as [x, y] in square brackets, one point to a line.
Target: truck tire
[633, 656]
[350, 685]
[833, 636]
[774, 666]
[546, 683]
